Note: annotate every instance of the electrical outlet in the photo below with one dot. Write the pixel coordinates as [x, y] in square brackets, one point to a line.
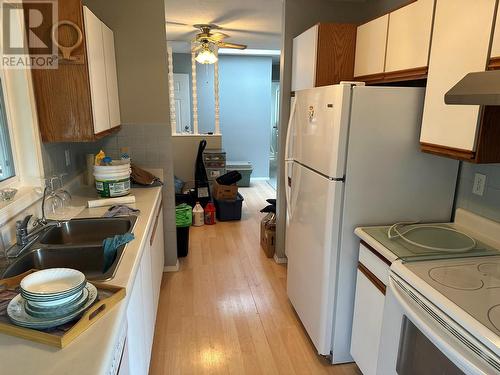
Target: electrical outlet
[67, 157]
[479, 184]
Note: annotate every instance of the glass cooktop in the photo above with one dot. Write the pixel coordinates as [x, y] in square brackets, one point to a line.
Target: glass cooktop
[429, 237]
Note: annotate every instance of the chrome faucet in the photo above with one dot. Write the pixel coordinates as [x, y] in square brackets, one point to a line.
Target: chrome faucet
[26, 238]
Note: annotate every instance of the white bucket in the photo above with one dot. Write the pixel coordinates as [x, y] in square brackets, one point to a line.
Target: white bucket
[112, 180]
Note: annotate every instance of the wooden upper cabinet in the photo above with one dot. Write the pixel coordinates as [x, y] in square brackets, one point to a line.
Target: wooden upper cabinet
[408, 41]
[78, 101]
[323, 55]
[370, 48]
[460, 45]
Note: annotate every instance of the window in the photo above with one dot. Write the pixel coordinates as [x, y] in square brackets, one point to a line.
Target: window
[6, 156]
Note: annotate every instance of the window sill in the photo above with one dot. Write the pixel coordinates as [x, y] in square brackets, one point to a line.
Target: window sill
[25, 197]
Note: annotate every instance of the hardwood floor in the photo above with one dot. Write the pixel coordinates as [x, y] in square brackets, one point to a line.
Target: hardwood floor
[226, 310]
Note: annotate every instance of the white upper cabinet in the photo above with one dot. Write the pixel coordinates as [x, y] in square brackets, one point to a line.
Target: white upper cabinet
[102, 73]
[409, 36]
[97, 71]
[370, 47]
[111, 77]
[495, 45]
[304, 59]
[460, 44]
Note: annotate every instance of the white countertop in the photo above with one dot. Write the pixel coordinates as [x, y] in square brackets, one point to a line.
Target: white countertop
[91, 352]
[377, 246]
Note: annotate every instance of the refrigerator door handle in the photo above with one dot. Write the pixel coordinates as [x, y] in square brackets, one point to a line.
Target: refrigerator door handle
[289, 131]
[288, 189]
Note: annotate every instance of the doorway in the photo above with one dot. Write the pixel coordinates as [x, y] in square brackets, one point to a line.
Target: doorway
[182, 97]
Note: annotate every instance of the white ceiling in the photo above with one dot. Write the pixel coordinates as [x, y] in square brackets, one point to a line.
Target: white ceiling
[255, 23]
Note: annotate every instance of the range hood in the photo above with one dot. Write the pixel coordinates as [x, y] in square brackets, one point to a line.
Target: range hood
[480, 88]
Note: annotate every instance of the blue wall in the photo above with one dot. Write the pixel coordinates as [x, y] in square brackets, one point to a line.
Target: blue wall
[245, 109]
[245, 105]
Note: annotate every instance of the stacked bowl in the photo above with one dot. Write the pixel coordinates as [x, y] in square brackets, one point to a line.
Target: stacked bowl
[50, 298]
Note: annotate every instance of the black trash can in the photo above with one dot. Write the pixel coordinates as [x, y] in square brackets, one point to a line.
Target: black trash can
[228, 210]
[182, 241]
[183, 219]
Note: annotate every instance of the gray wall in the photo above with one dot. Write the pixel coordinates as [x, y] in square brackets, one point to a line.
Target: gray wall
[141, 54]
[298, 16]
[487, 205]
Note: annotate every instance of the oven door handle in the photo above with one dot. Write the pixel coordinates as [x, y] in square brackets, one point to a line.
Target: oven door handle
[436, 333]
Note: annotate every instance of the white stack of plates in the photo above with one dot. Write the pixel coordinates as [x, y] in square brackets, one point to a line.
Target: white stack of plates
[50, 298]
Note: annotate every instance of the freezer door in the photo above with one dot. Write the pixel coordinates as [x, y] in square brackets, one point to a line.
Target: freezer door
[312, 238]
[321, 122]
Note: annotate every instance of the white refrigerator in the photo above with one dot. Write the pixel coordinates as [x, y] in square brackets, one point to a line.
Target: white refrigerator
[352, 158]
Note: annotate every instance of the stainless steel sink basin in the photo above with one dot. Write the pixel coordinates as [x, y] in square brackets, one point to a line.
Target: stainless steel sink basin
[89, 260]
[86, 231]
[75, 244]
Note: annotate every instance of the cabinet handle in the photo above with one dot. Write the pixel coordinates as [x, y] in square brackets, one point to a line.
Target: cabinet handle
[153, 233]
[373, 279]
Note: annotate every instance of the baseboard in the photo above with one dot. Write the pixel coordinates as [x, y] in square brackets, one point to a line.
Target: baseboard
[172, 268]
[280, 260]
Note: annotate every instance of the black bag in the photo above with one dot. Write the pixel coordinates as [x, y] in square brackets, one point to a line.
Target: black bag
[229, 178]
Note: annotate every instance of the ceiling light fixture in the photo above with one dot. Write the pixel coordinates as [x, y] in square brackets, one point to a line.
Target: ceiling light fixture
[206, 55]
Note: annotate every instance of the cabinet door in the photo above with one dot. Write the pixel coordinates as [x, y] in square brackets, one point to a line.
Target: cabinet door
[157, 258]
[367, 324]
[304, 59]
[111, 77]
[409, 36]
[495, 45]
[97, 71]
[371, 41]
[460, 45]
[136, 340]
[148, 303]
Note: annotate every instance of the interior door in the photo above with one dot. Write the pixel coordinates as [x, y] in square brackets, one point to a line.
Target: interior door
[312, 240]
[182, 102]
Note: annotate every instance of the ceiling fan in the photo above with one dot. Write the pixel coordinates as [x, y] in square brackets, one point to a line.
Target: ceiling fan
[207, 42]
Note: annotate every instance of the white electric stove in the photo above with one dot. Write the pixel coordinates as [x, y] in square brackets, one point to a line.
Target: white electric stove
[443, 315]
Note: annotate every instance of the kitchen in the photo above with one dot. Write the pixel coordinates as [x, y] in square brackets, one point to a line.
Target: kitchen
[396, 152]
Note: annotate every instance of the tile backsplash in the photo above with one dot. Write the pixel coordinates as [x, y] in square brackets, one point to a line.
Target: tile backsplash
[487, 205]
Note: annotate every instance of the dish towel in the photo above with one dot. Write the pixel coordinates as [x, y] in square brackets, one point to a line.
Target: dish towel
[111, 245]
[121, 210]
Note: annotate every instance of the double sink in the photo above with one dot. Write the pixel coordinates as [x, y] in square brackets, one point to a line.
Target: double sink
[74, 244]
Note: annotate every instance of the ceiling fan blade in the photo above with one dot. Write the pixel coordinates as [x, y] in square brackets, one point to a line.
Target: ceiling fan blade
[231, 45]
[173, 23]
[233, 15]
[255, 32]
[218, 36]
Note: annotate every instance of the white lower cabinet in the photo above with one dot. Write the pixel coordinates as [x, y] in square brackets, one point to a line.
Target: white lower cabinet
[368, 312]
[143, 302]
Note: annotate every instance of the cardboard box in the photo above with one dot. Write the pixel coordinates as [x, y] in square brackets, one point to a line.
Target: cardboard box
[268, 235]
[224, 192]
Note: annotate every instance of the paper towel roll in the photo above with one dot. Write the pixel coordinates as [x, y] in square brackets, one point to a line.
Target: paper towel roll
[111, 201]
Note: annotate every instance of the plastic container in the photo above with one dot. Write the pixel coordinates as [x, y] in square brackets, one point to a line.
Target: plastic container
[198, 215]
[244, 167]
[228, 210]
[182, 241]
[113, 180]
[210, 214]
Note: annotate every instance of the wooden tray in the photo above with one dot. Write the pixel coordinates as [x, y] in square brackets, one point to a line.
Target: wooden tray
[107, 297]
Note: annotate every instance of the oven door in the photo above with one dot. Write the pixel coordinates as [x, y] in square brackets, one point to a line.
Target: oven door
[418, 338]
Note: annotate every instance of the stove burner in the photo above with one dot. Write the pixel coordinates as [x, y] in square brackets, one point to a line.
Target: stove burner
[494, 316]
[463, 277]
[490, 269]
